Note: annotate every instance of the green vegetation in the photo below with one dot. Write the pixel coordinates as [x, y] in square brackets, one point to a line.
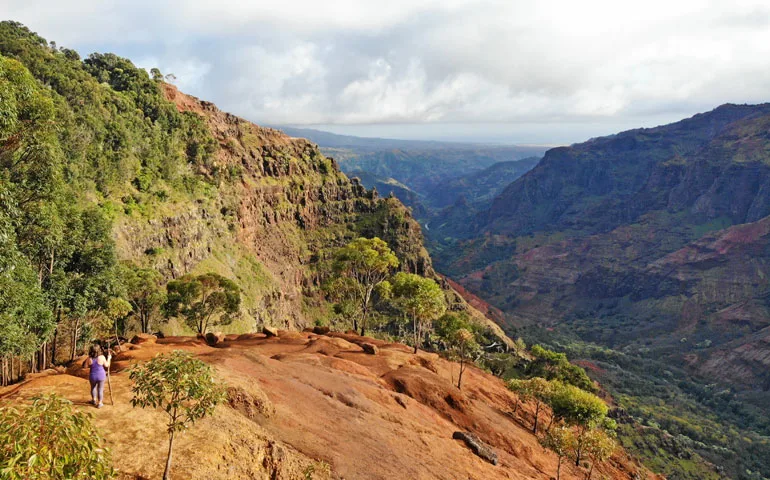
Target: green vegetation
[361, 267]
[82, 143]
[179, 385]
[51, 440]
[421, 299]
[561, 441]
[677, 424]
[538, 390]
[579, 426]
[203, 301]
[145, 292]
[464, 350]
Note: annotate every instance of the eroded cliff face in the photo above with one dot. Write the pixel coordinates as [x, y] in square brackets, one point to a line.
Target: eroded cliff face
[275, 206]
[652, 239]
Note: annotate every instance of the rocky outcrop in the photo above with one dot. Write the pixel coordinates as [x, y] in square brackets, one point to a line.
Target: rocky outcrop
[477, 446]
[270, 331]
[140, 338]
[320, 330]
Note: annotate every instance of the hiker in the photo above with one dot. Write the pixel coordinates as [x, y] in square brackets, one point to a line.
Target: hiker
[99, 365]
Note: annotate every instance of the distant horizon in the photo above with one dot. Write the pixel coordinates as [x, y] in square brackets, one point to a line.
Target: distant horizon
[481, 71]
[544, 136]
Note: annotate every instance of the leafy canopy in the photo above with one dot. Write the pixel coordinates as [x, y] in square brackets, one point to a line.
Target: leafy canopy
[420, 298]
[360, 267]
[144, 287]
[577, 407]
[203, 301]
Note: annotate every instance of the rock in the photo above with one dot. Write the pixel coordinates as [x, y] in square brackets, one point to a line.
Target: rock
[369, 348]
[143, 338]
[251, 402]
[351, 332]
[159, 334]
[308, 329]
[270, 331]
[213, 339]
[319, 330]
[477, 446]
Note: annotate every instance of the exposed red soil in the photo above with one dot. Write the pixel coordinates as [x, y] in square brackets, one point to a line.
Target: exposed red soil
[384, 416]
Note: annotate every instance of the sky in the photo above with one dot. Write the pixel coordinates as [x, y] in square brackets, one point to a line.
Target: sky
[505, 71]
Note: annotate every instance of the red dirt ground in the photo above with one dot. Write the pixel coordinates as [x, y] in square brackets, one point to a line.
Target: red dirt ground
[333, 412]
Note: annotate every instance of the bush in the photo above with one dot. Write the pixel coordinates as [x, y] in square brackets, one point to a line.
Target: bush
[51, 440]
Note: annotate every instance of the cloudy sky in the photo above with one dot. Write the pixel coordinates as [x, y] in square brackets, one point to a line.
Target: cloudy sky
[546, 71]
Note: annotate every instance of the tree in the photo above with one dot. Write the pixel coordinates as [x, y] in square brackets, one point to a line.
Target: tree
[180, 385]
[50, 439]
[368, 262]
[537, 389]
[465, 347]
[25, 320]
[555, 366]
[144, 288]
[561, 441]
[421, 299]
[203, 301]
[598, 447]
[117, 310]
[450, 322]
[156, 75]
[580, 408]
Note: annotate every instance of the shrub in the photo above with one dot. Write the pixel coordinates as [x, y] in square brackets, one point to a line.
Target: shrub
[50, 439]
[181, 386]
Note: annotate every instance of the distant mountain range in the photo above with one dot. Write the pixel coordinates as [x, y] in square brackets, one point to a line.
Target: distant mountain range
[426, 175]
[654, 242]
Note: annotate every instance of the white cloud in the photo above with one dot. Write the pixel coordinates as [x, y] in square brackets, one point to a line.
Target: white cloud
[435, 61]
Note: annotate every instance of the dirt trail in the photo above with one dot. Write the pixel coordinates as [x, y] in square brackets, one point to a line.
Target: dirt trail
[319, 407]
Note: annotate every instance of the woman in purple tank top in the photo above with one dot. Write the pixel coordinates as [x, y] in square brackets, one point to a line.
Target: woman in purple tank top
[99, 365]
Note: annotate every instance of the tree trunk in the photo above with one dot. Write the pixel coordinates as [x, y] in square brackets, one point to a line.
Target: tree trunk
[74, 340]
[579, 449]
[550, 422]
[416, 334]
[364, 313]
[590, 471]
[537, 413]
[55, 335]
[460, 378]
[167, 471]
[558, 469]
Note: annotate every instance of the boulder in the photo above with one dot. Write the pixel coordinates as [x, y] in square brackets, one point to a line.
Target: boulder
[270, 331]
[370, 348]
[319, 330]
[351, 332]
[143, 338]
[477, 446]
[213, 339]
[308, 329]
